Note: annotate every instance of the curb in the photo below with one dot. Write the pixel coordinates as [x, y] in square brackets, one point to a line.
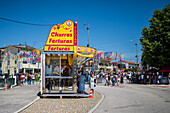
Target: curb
[2, 88]
[95, 107]
[27, 105]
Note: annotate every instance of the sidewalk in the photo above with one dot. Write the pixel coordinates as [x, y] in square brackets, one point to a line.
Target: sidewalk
[65, 105]
[17, 97]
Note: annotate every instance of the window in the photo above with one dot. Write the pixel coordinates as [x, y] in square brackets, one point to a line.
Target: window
[59, 71]
[59, 65]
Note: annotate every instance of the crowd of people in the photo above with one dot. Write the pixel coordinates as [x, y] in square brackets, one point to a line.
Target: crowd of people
[113, 78]
[132, 77]
[26, 78]
[152, 78]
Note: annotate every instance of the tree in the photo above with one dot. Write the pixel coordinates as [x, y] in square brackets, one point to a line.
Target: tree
[156, 39]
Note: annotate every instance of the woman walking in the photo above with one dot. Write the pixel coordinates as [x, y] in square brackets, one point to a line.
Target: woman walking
[82, 83]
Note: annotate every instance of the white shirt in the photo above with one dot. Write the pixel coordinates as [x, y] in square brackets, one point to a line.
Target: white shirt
[142, 76]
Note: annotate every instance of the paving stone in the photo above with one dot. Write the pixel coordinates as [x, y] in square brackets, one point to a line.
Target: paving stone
[65, 105]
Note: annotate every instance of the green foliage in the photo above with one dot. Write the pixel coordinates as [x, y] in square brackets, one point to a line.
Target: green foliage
[156, 39]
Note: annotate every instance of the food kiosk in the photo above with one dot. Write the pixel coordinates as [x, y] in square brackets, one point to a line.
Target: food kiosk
[59, 61]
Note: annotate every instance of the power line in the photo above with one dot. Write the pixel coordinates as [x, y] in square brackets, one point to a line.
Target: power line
[25, 22]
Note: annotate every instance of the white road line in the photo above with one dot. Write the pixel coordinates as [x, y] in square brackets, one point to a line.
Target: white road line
[95, 107]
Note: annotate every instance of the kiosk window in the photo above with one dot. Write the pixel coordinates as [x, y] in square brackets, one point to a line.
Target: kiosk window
[59, 65]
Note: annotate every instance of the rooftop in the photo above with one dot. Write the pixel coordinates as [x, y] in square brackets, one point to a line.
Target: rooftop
[129, 62]
[20, 46]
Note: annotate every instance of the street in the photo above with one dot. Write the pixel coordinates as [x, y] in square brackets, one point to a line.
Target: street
[134, 98]
[125, 98]
[16, 98]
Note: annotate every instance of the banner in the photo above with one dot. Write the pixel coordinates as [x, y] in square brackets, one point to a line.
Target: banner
[109, 56]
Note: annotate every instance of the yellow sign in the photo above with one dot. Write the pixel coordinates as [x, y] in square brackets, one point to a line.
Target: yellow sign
[62, 34]
[84, 49]
[58, 48]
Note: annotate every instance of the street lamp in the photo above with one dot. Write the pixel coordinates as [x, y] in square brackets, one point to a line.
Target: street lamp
[88, 33]
[136, 54]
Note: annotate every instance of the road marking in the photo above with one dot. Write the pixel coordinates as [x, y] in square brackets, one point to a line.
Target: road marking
[95, 107]
[27, 105]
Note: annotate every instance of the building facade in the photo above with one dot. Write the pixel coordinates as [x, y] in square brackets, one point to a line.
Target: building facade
[116, 66]
[20, 59]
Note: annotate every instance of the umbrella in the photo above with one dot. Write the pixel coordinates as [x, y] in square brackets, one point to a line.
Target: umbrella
[151, 70]
[165, 69]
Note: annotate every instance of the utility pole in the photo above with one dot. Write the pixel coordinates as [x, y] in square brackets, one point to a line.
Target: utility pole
[136, 54]
[88, 34]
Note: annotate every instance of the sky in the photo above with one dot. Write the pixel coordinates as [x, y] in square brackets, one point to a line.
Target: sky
[112, 23]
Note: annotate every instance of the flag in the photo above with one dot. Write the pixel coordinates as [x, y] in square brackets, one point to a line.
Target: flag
[120, 57]
[123, 55]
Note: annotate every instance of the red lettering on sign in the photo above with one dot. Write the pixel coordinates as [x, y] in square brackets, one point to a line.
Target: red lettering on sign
[50, 48]
[59, 41]
[55, 34]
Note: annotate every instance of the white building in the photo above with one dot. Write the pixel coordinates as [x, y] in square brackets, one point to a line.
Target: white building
[19, 59]
[129, 64]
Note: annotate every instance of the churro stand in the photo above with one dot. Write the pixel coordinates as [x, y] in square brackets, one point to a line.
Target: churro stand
[59, 61]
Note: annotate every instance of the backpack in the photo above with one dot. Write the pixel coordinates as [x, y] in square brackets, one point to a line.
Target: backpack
[113, 79]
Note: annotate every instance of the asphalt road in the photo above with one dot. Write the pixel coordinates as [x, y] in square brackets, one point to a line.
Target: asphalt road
[16, 98]
[134, 98]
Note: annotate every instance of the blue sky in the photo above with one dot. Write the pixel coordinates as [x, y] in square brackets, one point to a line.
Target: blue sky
[113, 23]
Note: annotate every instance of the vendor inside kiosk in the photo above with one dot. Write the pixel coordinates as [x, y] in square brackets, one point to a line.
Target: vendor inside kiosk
[59, 59]
[59, 72]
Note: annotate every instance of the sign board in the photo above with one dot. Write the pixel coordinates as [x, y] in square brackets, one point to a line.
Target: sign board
[62, 37]
[58, 48]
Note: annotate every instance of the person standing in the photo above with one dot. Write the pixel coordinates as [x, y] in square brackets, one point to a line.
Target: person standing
[33, 78]
[23, 78]
[116, 79]
[109, 79]
[113, 80]
[6, 78]
[29, 78]
[82, 83]
[106, 81]
[121, 79]
[91, 85]
[142, 78]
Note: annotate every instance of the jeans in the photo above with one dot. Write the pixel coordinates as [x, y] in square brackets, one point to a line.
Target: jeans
[113, 83]
[106, 82]
[33, 81]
